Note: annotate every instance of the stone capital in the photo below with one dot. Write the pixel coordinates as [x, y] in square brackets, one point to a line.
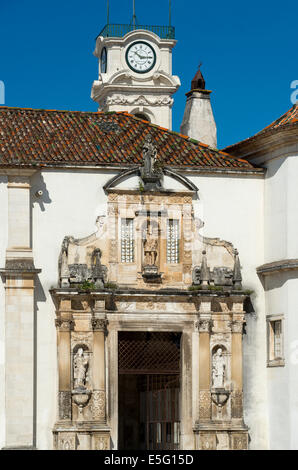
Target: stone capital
[64, 324]
[236, 326]
[204, 325]
[99, 324]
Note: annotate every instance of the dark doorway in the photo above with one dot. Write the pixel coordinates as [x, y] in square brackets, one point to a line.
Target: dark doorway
[149, 390]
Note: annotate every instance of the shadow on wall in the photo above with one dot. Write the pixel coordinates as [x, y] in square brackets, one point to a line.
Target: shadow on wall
[3, 179]
[39, 192]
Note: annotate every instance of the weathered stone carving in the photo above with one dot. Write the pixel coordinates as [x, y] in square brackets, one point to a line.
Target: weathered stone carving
[205, 404]
[101, 442]
[208, 441]
[98, 405]
[237, 326]
[150, 175]
[237, 405]
[204, 272]
[78, 338]
[239, 441]
[139, 100]
[81, 398]
[80, 259]
[99, 324]
[80, 367]
[218, 369]
[150, 248]
[151, 251]
[222, 441]
[67, 441]
[64, 405]
[64, 324]
[99, 272]
[237, 278]
[204, 325]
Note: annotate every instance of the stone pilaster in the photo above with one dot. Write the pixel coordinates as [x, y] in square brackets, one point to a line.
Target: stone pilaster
[64, 326]
[204, 325]
[19, 278]
[236, 360]
[99, 325]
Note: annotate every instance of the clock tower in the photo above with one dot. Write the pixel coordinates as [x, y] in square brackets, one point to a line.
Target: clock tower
[135, 71]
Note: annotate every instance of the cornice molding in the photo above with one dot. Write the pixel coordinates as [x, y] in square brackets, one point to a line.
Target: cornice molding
[277, 266]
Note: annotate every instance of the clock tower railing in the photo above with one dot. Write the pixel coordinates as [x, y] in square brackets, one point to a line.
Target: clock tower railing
[120, 30]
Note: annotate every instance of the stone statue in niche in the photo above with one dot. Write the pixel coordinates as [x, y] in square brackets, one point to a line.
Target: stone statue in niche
[150, 247]
[80, 368]
[218, 369]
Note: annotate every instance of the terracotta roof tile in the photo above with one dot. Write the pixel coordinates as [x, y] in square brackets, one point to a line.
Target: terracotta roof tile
[36, 137]
[287, 120]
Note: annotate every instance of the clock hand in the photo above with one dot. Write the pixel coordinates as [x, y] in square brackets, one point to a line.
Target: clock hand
[141, 56]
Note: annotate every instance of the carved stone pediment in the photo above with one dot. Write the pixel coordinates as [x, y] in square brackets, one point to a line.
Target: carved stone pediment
[83, 260]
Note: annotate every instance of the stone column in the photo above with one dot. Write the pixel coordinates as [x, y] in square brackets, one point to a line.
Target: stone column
[99, 326]
[19, 277]
[64, 326]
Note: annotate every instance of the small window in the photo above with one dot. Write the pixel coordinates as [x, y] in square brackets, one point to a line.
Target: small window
[173, 241]
[275, 327]
[142, 116]
[127, 241]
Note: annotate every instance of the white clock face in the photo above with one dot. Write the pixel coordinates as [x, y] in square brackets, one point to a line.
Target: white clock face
[140, 57]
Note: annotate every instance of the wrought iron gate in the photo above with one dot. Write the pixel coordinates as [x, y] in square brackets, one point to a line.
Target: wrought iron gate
[155, 359]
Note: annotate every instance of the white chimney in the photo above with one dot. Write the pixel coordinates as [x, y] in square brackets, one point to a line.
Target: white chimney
[198, 120]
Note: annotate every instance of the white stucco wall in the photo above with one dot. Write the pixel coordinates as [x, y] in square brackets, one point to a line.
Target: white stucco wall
[281, 235]
[281, 215]
[232, 209]
[3, 246]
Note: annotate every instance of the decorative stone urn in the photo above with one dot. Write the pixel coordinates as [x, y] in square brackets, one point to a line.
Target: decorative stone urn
[81, 398]
[220, 396]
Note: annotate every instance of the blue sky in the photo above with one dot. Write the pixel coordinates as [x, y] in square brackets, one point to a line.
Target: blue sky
[248, 50]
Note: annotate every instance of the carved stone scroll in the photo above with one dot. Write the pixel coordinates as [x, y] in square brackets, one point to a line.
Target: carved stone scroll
[98, 405]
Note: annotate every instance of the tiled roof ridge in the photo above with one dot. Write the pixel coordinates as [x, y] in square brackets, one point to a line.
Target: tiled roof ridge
[182, 136]
[29, 142]
[125, 113]
[277, 123]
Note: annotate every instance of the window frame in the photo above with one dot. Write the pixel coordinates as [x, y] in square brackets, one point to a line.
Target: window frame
[177, 241]
[122, 219]
[272, 360]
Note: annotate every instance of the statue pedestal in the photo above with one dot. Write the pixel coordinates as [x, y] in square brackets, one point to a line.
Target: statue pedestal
[150, 273]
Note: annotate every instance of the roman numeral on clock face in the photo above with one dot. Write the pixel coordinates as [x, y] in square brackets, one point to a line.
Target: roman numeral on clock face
[140, 57]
